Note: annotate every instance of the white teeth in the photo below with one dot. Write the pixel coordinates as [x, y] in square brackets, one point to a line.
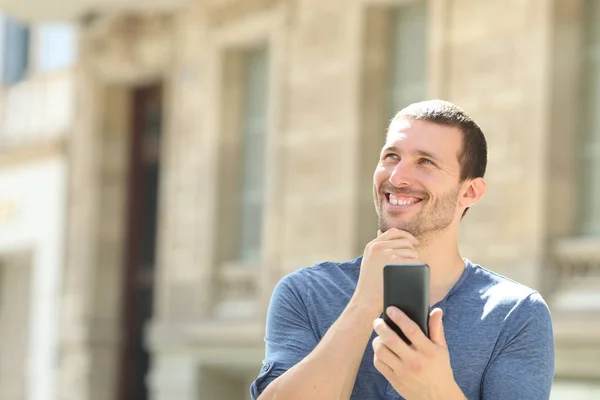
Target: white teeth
[396, 202]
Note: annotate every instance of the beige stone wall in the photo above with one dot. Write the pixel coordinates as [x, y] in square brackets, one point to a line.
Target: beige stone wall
[15, 290]
[91, 325]
[497, 69]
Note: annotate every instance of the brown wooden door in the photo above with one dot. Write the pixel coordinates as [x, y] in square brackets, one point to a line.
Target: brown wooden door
[140, 257]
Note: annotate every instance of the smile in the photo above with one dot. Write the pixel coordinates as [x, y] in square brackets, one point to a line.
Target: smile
[401, 201]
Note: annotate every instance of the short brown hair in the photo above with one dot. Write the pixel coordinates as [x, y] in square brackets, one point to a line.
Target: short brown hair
[474, 154]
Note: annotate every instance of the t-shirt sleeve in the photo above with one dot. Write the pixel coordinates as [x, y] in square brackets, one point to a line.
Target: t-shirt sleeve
[524, 367]
[289, 335]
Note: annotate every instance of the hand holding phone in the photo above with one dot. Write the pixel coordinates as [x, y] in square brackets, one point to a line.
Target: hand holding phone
[406, 286]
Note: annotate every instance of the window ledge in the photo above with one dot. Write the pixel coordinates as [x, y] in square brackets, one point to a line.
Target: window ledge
[237, 294]
[578, 258]
[165, 335]
[578, 263]
[13, 155]
[235, 270]
[575, 249]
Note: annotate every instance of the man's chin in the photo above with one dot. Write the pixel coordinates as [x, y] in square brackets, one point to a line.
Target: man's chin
[403, 226]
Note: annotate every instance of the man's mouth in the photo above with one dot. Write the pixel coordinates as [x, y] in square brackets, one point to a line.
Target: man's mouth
[398, 200]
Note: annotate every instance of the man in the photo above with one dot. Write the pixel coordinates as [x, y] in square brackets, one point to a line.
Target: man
[490, 337]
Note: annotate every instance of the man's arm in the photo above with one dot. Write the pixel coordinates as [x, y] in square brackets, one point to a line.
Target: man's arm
[524, 368]
[327, 370]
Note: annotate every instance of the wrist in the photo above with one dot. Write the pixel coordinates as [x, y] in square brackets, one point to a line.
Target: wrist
[369, 309]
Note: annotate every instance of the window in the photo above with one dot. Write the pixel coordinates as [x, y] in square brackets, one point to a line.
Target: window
[15, 55]
[56, 46]
[408, 55]
[253, 149]
[243, 139]
[590, 146]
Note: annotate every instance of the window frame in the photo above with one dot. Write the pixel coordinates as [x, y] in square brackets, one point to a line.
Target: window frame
[25, 53]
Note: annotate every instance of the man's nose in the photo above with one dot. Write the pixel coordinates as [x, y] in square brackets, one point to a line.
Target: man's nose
[403, 174]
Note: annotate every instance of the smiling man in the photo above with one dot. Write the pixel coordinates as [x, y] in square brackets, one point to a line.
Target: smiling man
[490, 337]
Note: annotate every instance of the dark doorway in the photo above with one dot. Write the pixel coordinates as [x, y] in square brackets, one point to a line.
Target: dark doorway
[140, 253]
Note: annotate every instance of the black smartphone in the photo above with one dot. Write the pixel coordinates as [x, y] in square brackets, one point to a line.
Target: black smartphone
[406, 286]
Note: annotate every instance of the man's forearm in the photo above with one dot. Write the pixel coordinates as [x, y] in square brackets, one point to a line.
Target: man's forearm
[456, 394]
[330, 370]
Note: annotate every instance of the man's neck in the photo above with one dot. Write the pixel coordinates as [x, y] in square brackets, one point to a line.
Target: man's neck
[445, 263]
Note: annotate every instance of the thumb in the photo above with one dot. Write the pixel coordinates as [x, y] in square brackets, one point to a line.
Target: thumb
[436, 328]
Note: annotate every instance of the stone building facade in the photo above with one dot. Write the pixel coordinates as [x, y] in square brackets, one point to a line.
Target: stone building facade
[219, 145]
[37, 76]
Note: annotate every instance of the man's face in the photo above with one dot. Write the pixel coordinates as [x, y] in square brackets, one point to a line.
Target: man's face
[417, 181]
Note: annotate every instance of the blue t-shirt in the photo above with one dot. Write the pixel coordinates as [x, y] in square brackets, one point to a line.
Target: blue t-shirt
[499, 332]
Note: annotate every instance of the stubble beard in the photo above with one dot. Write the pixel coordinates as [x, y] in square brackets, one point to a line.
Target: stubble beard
[432, 218]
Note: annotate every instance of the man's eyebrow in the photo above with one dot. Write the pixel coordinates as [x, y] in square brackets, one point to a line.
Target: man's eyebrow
[422, 153]
[429, 155]
[392, 149]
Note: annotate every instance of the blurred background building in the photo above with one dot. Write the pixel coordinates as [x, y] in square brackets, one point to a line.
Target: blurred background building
[164, 163]
[37, 116]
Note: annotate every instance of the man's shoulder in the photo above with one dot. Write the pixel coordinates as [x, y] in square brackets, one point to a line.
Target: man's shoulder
[323, 269]
[498, 290]
[321, 275]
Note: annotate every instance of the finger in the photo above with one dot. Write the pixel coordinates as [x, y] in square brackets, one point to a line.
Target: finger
[410, 329]
[397, 244]
[402, 255]
[398, 252]
[393, 341]
[395, 233]
[389, 245]
[382, 353]
[382, 367]
[436, 328]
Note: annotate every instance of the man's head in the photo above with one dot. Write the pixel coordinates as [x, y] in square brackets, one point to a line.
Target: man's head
[431, 168]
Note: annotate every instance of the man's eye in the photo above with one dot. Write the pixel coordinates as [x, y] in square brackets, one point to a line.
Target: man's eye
[390, 156]
[425, 161]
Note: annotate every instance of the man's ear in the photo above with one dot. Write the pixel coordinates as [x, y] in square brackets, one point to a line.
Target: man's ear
[472, 192]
